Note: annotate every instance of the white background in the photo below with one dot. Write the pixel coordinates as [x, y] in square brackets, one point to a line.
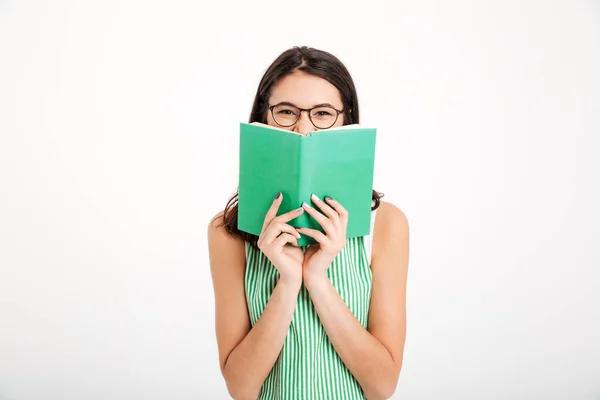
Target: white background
[118, 142]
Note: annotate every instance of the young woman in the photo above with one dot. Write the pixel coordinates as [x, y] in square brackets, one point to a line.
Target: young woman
[325, 321]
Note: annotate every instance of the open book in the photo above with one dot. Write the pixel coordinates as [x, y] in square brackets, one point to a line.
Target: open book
[336, 162]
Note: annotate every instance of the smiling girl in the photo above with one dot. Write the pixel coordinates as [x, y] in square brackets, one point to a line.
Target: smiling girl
[325, 321]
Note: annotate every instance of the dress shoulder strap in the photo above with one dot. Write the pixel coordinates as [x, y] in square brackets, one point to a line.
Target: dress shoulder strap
[368, 240]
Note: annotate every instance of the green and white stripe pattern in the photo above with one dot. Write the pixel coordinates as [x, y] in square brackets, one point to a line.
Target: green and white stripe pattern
[308, 366]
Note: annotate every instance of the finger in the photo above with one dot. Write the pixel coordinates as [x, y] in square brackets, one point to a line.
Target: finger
[315, 234]
[275, 229]
[285, 238]
[341, 211]
[272, 212]
[288, 216]
[325, 222]
[327, 210]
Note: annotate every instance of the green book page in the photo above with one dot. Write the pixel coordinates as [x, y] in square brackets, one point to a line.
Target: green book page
[340, 164]
[269, 162]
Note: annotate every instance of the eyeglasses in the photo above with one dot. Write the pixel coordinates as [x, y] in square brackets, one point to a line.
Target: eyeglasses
[322, 116]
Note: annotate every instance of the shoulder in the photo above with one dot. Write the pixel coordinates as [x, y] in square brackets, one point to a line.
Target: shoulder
[391, 228]
[390, 220]
[216, 228]
[215, 224]
[221, 243]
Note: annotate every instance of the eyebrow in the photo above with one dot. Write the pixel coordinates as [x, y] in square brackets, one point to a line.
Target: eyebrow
[287, 103]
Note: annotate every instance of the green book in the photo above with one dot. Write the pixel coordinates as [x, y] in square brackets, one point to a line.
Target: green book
[337, 162]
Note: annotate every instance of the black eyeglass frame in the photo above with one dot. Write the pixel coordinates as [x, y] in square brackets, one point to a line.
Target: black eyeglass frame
[271, 108]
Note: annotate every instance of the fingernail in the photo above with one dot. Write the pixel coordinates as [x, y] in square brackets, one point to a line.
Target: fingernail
[306, 205]
[298, 235]
[314, 197]
[278, 195]
[298, 209]
[328, 198]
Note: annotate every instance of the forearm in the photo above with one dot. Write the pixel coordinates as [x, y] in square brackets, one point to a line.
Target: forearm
[249, 364]
[366, 357]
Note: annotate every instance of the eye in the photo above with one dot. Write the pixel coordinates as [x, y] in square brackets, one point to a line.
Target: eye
[285, 110]
[323, 113]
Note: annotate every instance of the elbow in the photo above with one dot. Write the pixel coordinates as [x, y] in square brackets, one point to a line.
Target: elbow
[243, 395]
[383, 389]
[240, 392]
[380, 392]
[240, 389]
[386, 392]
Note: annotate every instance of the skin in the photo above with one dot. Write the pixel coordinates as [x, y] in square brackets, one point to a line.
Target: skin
[247, 354]
[305, 91]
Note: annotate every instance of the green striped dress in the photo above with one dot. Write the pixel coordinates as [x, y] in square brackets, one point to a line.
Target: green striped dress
[308, 367]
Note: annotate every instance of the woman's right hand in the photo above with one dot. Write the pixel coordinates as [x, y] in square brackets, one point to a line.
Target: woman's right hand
[276, 232]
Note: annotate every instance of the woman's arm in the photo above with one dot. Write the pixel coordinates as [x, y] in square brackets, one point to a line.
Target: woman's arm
[374, 356]
[246, 354]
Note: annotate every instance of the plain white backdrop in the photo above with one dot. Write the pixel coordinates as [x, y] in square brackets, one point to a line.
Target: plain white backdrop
[118, 143]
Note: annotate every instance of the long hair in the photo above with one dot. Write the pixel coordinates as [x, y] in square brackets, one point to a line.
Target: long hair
[314, 62]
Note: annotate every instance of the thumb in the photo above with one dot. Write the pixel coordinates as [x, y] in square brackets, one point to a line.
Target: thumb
[312, 249]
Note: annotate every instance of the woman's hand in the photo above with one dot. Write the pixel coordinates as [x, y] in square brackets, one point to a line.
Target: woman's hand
[272, 242]
[318, 257]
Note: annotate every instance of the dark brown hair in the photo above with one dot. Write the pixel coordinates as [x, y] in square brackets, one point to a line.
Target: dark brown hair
[311, 61]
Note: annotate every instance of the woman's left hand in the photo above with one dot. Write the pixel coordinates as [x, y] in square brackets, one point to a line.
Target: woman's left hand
[334, 221]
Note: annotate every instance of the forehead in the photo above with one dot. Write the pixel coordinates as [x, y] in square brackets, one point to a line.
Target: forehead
[305, 90]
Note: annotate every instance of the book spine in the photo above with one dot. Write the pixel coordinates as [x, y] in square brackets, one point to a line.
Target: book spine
[304, 186]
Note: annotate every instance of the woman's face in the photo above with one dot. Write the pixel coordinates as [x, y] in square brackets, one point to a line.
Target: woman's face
[305, 91]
